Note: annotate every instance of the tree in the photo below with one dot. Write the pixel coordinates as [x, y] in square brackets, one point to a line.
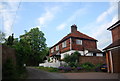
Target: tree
[10, 40]
[35, 38]
[2, 37]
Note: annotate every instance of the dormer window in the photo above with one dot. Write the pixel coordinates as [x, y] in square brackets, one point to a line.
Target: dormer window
[78, 41]
[64, 44]
[52, 50]
[57, 47]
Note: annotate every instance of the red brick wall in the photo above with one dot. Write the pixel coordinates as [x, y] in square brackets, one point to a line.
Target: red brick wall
[116, 60]
[92, 59]
[116, 33]
[8, 52]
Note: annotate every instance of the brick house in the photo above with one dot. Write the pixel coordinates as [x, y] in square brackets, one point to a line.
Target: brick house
[75, 41]
[113, 50]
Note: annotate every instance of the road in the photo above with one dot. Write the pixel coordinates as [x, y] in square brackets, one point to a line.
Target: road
[34, 73]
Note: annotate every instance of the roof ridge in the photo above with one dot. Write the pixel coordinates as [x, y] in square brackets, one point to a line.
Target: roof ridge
[86, 35]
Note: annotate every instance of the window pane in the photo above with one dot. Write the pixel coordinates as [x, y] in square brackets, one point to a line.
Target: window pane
[57, 47]
[64, 44]
[79, 42]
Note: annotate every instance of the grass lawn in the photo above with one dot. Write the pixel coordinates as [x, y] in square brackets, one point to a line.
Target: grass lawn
[49, 69]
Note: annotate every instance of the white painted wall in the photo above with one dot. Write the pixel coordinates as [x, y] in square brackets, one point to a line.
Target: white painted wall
[89, 54]
[81, 52]
[70, 52]
[53, 64]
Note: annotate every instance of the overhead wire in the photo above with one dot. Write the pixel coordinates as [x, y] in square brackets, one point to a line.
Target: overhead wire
[12, 25]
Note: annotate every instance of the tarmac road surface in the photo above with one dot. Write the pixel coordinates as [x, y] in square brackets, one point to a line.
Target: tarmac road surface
[34, 73]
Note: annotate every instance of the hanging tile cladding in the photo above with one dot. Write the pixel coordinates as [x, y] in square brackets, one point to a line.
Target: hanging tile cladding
[61, 49]
[86, 44]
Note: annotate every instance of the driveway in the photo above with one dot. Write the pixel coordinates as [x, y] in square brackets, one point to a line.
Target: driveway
[91, 75]
[34, 73]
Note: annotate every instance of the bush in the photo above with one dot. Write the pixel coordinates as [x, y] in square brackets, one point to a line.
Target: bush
[67, 69]
[87, 66]
[61, 68]
[9, 70]
[79, 68]
[72, 64]
[72, 58]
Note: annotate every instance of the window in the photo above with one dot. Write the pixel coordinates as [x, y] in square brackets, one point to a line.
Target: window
[94, 54]
[64, 44]
[89, 54]
[78, 41]
[99, 54]
[52, 50]
[57, 48]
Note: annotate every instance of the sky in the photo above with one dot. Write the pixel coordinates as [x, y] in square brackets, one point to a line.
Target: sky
[54, 19]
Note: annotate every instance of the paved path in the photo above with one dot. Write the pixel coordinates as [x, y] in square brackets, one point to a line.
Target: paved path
[34, 73]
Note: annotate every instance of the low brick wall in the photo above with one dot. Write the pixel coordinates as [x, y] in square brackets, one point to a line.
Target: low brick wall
[8, 52]
[92, 59]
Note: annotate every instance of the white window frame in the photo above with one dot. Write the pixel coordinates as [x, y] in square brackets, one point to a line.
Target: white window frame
[57, 47]
[78, 41]
[64, 44]
[52, 50]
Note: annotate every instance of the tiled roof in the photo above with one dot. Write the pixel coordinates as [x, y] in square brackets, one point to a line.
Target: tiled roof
[94, 50]
[76, 34]
[114, 44]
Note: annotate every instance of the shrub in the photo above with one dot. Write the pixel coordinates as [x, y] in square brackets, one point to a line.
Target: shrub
[61, 68]
[72, 58]
[9, 70]
[72, 64]
[79, 68]
[87, 66]
[67, 69]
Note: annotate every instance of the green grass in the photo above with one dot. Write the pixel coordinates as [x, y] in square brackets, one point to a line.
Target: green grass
[49, 69]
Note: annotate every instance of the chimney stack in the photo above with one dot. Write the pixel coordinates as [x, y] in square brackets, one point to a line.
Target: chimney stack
[73, 28]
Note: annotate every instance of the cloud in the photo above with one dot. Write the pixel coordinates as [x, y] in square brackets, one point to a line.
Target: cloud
[77, 13]
[48, 15]
[8, 10]
[103, 21]
[61, 26]
[112, 8]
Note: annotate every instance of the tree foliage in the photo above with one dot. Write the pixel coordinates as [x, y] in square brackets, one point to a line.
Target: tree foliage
[36, 41]
[2, 37]
[31, 47]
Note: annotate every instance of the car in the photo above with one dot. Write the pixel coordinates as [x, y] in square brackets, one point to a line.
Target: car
[102, 68]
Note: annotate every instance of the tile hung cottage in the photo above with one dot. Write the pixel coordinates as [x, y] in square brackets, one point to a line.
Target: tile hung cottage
[113, 50]
[75, 41]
